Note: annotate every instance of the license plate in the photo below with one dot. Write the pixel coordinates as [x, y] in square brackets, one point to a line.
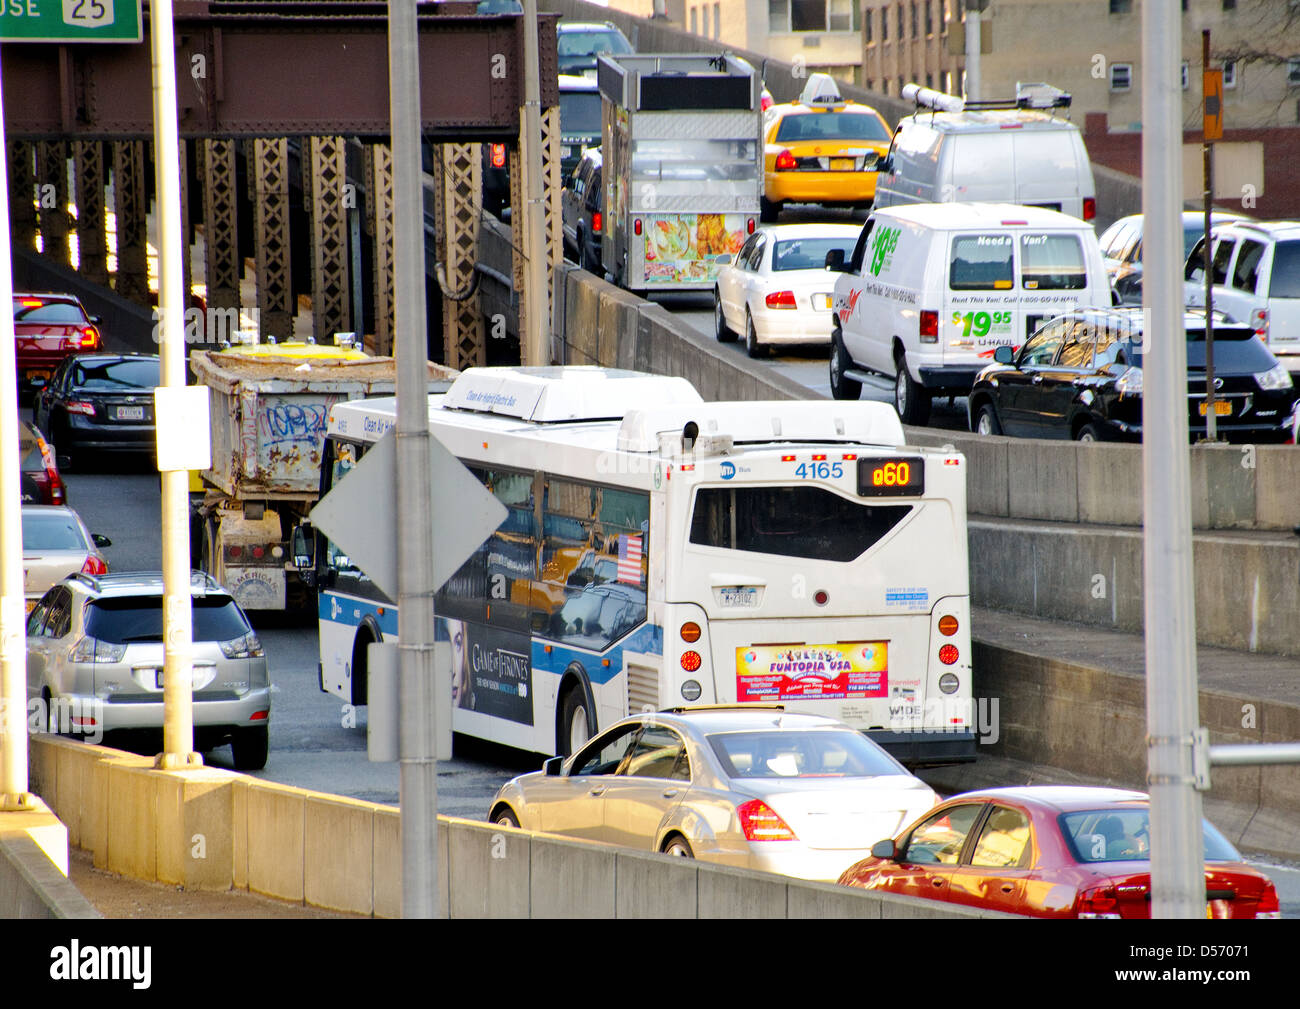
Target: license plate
[842, 164]
[1222, 408]
[738, 597]
[821, 302]
[130, 413]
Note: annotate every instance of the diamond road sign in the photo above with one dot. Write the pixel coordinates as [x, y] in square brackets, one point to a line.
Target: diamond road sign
[70, 21]
[360, 513]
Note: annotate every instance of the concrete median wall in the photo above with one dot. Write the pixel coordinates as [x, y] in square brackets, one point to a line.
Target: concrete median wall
[34, 867]
[212, 829]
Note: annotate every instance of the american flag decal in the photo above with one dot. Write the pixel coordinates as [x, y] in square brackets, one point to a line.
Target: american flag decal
[629, 559]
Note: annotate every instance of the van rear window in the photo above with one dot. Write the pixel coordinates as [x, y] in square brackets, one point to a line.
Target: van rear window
[1052, 263]
[1285, 281]
[981, 263]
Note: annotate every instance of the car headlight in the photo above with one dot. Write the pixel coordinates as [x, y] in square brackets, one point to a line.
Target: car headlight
[1275, 378]
[246, 647]
[1130, 383]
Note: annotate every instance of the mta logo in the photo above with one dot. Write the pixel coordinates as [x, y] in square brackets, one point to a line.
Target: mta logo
[728, 470]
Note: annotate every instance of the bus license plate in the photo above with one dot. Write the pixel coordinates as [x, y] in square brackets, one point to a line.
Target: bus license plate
[738, 597]
[130, 413]
[1222, 408]
[821, 302]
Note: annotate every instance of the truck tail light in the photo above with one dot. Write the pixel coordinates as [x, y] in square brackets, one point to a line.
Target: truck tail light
[636, 226]
[785, 162]
[929, 326]
[760, 822]
[749, 226]
[596, 222]
[780, 299]
[1089, 208]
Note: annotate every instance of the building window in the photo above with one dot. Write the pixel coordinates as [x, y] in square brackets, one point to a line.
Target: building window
[1121, 6]
[778, 15]
[929, 81]
[884, 24]
[695, 21]
[929, 22]
[866, 28]
[843, 15]
[1185, 76]
[1229, 73]
[807, 15]
[915, 31]
[1121, 76]
[704, 20]
[717, 20]
[900, 22]
[1293, 72]
[1229, 5]
[900, 85]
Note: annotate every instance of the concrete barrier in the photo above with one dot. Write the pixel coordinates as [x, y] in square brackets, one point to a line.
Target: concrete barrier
[31, 885]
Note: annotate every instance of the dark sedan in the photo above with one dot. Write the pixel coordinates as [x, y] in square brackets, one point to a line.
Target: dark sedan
[1051, 851]
[100, 403]
[1080, 376]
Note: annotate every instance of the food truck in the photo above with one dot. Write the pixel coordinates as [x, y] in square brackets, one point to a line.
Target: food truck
[683, 166]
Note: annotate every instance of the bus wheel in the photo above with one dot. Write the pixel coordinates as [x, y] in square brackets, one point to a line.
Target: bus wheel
[575, 722]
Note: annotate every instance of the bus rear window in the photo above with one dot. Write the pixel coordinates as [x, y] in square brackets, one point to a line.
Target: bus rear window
[808, 522]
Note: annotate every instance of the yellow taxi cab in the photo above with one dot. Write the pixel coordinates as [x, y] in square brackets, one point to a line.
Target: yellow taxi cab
[821, 149]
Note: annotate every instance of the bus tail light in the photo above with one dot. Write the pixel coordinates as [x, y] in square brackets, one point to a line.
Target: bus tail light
[948, 625]
[785, 162]
[1089, 208]
[929, 326]
[780, 299]
[761, 823]
[948, 654]
[636, 226]
[690, 632]
[691, 661]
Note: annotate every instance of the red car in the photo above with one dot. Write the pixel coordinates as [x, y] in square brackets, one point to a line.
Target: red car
[1050, 852]
[41, 482]
[49, 327]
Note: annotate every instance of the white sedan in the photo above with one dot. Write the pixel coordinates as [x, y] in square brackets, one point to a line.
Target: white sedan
[777, 288]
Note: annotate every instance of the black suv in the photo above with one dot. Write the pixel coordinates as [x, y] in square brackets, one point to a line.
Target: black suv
[1080, 376]
[580, 205]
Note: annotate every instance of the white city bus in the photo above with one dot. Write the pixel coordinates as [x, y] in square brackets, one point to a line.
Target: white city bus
[662, 550]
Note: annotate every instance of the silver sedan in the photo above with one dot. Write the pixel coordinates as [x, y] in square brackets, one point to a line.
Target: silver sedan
[751, 786]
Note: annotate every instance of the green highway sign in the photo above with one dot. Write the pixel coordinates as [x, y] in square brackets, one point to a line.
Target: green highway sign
[70, 21]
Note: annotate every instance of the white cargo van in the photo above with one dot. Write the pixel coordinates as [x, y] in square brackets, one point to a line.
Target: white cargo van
[934, 288]
[953, 151]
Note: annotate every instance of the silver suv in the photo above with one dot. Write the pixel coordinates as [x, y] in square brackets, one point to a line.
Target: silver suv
[95, 661]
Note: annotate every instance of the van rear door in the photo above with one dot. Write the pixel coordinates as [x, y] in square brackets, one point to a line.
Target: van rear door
[1047, 170]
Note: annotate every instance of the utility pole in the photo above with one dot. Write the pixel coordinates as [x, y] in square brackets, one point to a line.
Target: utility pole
[535, 343]
[13, 617]
[415, 584]
[1177, 850]
[178, 628]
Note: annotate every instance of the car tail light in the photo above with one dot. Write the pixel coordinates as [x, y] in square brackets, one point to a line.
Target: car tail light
[1259, 322]
[89, 649]
[760, 822]
[1099, 902]
[1268, 906]
[749, 226]
[690, 631]
[246, 647]
[94, 566]
[259, 716]
[780, 299]
[691, 661]
[498, 155]
[89, 338]
[785, 162]
[929, 326]
[596, 221]
[948, 654]
[948, 625]
[52, 478]
[81, 406]
[1089, 208]
[636, 226]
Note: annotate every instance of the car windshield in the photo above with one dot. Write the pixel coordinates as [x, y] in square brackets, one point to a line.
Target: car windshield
[809, 253]
[139, 618]
[831, 126]
[1285, 282]
[580, 112]
[60, 312]
[1123, 834]
[114, 374]
[1236, 351]
[51, 531]
[589, 43]
[794, 753]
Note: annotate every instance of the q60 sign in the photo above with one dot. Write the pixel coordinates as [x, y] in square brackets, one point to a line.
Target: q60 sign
[891, 476]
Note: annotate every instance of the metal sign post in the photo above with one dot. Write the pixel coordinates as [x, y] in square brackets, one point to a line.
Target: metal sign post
[1212, 95]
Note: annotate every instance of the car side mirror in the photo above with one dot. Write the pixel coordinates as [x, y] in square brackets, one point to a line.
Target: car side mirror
[303, 548]
[553, 767]
[885, 849]
[95, 320]
[724, 259]
[835, 260]
[101, 540]
[1004, 354]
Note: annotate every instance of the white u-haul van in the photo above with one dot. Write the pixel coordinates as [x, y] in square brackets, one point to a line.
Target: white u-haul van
[933, 289]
